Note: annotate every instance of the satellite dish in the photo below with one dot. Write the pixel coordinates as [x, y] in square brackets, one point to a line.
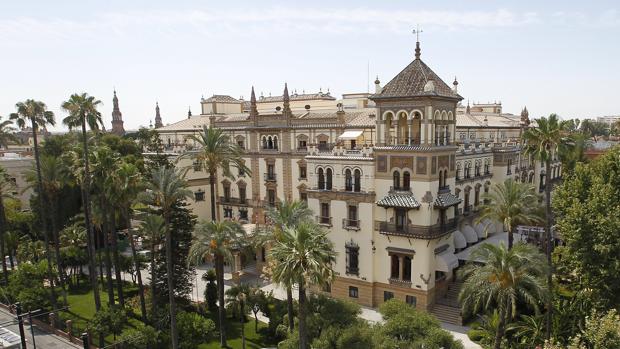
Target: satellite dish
[278, 108]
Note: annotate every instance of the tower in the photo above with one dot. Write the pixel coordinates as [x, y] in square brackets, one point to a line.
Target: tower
[286, 105]
[158, 122]
[117, 117]
[253, 108]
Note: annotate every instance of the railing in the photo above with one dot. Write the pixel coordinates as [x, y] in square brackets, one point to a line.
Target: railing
[353, 224]
[415, 230]
[270, 177]
[445, 189]
[325, 147]
[399, 282]
[402, 189]
[233, 201]
[324, 220]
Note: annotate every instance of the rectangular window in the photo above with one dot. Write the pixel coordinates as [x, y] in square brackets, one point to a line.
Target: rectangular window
[387, 295]
[353, 292]
[325, 219]
[242, 195]
[241, 144]
[197, 166]
[228, 212]
[327, 287]
[302, 145]
[243, 215]
[302, 172]
[352, 260]
[303, 197]
[199, 196]
[226, 194]
[411, 300]
[272, 197]
[352, 217]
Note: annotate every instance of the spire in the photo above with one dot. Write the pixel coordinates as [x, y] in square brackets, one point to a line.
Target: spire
[467, 110]
[253, 108]
[417, 32]
[117, 117]
[286, 101]
[158, 122]
[189, 112]
[525, 117]
[456, 85]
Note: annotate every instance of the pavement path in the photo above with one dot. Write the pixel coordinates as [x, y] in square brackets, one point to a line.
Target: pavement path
[43, 339]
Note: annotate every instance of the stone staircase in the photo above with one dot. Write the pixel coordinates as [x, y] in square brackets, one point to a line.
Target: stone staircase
[447, 308]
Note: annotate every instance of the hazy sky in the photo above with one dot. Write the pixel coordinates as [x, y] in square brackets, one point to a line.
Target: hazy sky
[553, 56]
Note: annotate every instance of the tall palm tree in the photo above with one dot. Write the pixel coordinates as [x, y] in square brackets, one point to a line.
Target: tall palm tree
[511, 203]
[304, 255]
[55, 178]
[166, 188]
[286, 214]
[73, 241]
[216, 151]
[543, 142]
[216, 241]
[152, 230]
[36, 114]
[6, 133]
[82, 110]
[128, 184]
[6, 192]
[503, 278]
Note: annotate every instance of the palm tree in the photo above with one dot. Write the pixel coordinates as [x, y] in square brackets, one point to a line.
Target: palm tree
[286, 214]
[511, 203]
[152, 230]
[304, 255]
[55, 178]
[36, 114]
[216, 151]
[128, 184]
[216, 241]
[543, 142]
[503, 278]
[82, 110]
[236, 298]
[166, 188]
[6, 192]
[73, 240]
[6, 133]
[530, 329]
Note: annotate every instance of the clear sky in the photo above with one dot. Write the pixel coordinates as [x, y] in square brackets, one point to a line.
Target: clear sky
[553, 56]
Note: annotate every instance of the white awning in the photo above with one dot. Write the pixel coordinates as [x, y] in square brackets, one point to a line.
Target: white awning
[499, 226]
[470, 234]
[350, 134]
[481, 229]
[459, 239]
[446, 262]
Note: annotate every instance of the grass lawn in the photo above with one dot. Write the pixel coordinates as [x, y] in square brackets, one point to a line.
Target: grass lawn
[253, 340]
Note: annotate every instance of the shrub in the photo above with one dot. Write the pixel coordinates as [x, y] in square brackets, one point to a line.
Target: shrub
[193, 329]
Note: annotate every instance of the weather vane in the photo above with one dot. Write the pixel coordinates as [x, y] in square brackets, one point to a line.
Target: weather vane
[417, 32]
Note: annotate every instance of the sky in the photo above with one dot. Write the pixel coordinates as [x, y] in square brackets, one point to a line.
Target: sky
[552, 56]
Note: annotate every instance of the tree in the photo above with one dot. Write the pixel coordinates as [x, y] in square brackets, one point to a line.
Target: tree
[82, 110]
[194, 329]
[6, 133]
[27, 286]
[216, 241]
[152, 231]
[304, 255]
[54, 178]
[286, 214]
[110, 319]
[6, 192]
[165, 189]
[505, 279]
[512, 203]
[572, 150]
[210, 289]
[36, 114]
[595, 128]
[217, 151]
[543, 142]
[585, 207]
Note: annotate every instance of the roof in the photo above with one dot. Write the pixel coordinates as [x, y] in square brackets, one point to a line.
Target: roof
[414, 81]
[480, 119]
[404, 200]
[445, 200]
[298, 97]
[222, 99]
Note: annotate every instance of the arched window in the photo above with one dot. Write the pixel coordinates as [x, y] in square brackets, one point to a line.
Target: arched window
[477, 196]
[477, 169]
[406, 180]
[466, 206]
[458, 171]
[396, 181]
[328, 183]
[486, 167]
[275, 142]
[440, 179]
[357, 183]
[321, 179]
[269, 143]
[264, 142]
[348, 180]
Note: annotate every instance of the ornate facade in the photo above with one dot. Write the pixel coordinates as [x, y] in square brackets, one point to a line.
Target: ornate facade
[396, 176]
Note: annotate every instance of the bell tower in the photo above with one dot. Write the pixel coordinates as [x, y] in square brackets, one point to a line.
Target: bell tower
[117, 117]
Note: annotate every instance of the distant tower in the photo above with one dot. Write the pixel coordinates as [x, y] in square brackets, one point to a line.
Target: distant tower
[189, 112]
[158, 122]
[117, 118]
[525, 117]
[286, 105]
[253, 108]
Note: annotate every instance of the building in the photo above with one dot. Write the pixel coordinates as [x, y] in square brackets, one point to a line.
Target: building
[395, 176]
[117, 118]
[609, 120]
[16, 167]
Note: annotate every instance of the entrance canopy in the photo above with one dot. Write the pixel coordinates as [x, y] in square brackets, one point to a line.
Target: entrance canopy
[350, 135]
[470, 235]
[446, 262]
[459, 239]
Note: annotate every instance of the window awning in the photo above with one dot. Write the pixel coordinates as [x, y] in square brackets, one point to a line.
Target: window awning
[481, 229]
[459, 239]
[470, 235]
[446, 262]
[401, 200]
[350, 134]
[446, 200]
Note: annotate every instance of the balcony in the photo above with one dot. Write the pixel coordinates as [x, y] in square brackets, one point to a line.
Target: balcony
[233, 201]
[400, 189]
[270, 177]
[350, 224]
[399, 282]
[326, 221]
[472, 179]
[418, 231]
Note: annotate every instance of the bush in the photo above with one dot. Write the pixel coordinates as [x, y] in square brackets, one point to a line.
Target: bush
[26, 285]
[139, 338]
[108, 320]
[193, 329]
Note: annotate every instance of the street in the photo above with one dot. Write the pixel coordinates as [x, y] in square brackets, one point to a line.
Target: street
[43, 340]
